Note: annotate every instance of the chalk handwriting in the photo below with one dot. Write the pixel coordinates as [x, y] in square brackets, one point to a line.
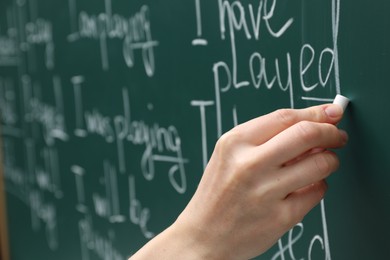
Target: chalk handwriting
[162, 144]
[8, 99]
[30, 32]
[8, 51]
[76, 82]
[8, 41]
[199, 40]
[36, 186]
[235, 14]
[323, 79]
[108, 205]
[34, 127]
[138, 215]
[40, 32]
[202, 107]
[79, 173]
[93, 241]
[293, 240]
[135, 33]
[289, 247]
[271, 72]
[50, 117]
[99, 124]
[13, 174]
[47, 213]
[259, 76]
[308, 54]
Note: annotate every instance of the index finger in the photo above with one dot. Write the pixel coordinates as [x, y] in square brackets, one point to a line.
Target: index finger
[301, 138]
[259, 130]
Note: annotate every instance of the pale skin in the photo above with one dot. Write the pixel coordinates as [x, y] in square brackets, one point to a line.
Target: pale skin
[263, 177]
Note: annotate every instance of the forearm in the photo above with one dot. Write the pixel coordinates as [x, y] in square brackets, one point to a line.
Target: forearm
[175, 243]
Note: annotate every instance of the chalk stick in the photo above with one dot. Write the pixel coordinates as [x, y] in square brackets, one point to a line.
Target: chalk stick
[341, 100]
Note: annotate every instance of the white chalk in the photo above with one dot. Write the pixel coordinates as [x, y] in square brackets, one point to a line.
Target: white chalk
[342, 101]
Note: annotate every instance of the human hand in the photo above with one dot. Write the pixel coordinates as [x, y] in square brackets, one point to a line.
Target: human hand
[262, 179]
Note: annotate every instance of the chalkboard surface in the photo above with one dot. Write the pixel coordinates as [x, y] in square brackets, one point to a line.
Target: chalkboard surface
[110, 110]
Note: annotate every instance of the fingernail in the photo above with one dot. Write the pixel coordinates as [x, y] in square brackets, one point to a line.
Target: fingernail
[334, 111]
[344, 135]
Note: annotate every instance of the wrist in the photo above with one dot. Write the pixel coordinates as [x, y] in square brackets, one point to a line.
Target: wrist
[178, 241]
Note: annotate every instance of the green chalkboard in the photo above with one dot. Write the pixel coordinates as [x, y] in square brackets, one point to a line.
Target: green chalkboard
[110, 110]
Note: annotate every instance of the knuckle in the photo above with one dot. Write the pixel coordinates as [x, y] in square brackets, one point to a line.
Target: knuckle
[247, 164]
[247, 167]
[317, 114]
[239, 173]
[228, 140]
[266, 192]
[330, 128]
[286, 116]
[308, 131]
[325, 164]
[322, 187]
[288, 216]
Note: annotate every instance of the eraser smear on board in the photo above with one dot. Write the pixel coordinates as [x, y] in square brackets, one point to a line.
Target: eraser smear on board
[341, 100]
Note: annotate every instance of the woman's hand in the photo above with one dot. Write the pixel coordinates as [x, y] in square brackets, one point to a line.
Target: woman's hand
[262, 179]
